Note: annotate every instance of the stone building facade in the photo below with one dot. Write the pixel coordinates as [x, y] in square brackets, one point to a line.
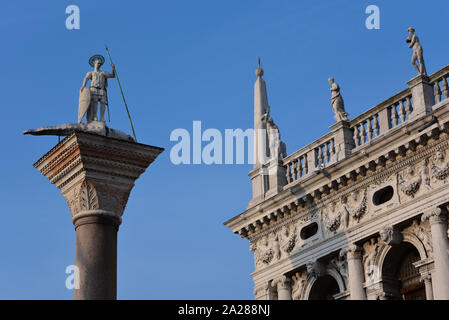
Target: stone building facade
[360, 213]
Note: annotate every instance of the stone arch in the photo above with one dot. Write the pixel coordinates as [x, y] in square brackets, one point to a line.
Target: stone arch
[417, 243]
[408, 237]
[338, 277]
[311, 280]
[391, 261]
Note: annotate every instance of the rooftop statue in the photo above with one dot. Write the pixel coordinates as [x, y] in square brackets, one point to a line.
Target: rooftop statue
[338, 105]
[414, 43]
[88, 105]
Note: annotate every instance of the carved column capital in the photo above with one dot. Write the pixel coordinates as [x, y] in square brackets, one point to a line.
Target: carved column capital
[435, 215]
[425, 277]
[354, 252]
[282, 282]
[96, 174]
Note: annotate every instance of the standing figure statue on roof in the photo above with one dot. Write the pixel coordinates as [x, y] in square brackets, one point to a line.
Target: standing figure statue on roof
[338, 105]
[97, 93]
[418, 55]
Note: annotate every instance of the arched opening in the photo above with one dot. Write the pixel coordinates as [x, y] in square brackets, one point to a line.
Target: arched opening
[324, 288]
[400, 275]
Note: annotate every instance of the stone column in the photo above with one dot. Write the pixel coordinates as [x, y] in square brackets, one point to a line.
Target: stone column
[96, 174]
[438, 227]
[284, 289]
[427, 279]
[355, 273]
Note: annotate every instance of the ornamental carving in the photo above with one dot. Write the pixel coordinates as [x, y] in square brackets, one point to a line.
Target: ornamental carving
[422, 231]
[86, 195]
[315, 269]
[82, 198]
[440, 169]
[266, 250]
[333, 218]
[340, 264]
[288, 239]
[360, 209]
[411, 184]
[299, 280]
[332, 222]
[391, 235]
[371, 249]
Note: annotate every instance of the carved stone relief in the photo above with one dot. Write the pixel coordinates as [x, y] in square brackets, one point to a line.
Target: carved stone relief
[411, 183]
[358, 207]
[340, 264]
[299, 281]
[371, 249]
[422, 231]
[440, 167]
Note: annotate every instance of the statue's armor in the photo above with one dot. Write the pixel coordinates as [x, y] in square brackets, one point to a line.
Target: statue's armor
[98, 85]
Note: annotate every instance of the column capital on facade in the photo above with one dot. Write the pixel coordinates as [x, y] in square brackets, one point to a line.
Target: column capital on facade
[425, 277]
[282, 282]
[353, 251]
[435, 215]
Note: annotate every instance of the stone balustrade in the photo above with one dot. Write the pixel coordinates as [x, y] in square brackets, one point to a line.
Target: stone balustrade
[439, 83]
[303, 162]
[383, 117]
[366, 127]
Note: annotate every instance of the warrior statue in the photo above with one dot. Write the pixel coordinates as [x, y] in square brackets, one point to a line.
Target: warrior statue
[88, 105]
[338, 105]
[414, 43]
[97, 93]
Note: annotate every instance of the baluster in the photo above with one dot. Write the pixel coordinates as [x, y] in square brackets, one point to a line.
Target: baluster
[408, 108]
[306, 164]
[318, 160]
[402, 112]
[363, 132]
[300, 167]
[321, 154]
[326, 152]
[394, 115]
[356, 136]
[288, 173]
[445, 88]
[375, 126]
[370, 129]
[295, 170]
[437, 91]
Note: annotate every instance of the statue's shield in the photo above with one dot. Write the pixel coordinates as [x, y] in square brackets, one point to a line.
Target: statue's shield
[84, 102]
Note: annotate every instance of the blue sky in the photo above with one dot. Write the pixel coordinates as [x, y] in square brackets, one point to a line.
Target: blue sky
[181, 61]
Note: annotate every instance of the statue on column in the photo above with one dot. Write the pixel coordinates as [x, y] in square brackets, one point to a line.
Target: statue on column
[338, 105]
[97, 93]
[88, 106]
[418, 55]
